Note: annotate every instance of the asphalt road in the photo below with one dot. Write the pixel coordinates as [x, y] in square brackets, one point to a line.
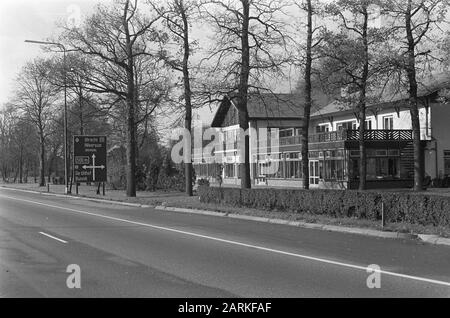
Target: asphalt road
[141, 252]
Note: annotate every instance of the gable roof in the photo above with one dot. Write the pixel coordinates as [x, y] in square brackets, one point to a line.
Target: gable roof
[263, 106]
[428, 87]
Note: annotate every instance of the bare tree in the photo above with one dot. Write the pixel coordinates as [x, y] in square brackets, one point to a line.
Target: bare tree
[115, 38]
[6, 128]
[35, 96]
[178, 16]
[413, 23]
[350, 60]
[249, 46]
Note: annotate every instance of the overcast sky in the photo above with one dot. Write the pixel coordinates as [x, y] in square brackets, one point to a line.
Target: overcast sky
[34, 20]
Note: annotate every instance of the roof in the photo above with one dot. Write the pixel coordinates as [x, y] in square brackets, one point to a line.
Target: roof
[263, 106]
[427, 87]
[275, 106]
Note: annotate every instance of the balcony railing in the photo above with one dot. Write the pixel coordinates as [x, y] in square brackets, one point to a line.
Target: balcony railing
[332, 136]
[328, 136]
[380, 135]
[292, 140]
[370, 135]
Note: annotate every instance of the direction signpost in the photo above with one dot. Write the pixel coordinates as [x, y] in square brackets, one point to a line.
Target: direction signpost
[89, 159]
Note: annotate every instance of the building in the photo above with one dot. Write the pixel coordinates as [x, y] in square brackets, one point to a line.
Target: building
[333, 142]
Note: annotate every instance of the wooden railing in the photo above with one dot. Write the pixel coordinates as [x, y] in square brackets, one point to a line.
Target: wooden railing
[380, 135]
[292, 140]
[341, 135]
[353, 134]
[328, 136]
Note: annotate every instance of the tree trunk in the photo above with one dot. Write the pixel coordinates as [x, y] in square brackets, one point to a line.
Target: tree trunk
[41, 160]
[21, 166]
[81, 112]
[414, 111]
[244, 164]
[187, 98]
[362, 106]
[49, 168]
[308, 99]
[26, 172]
[131, 126]
[34, 171]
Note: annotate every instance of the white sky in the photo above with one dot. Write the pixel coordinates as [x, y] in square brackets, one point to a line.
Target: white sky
[36, 20]
[33, 20]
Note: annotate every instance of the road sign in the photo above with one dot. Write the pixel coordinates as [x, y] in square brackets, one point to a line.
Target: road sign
[89, 162]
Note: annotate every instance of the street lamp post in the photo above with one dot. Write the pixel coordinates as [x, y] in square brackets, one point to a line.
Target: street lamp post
[66, 158]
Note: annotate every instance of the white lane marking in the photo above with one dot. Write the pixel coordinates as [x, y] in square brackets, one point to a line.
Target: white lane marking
[261, 248]
[53, 237]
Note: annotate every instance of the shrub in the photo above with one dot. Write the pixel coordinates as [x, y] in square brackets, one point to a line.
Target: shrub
[203, 182]
[415, 208]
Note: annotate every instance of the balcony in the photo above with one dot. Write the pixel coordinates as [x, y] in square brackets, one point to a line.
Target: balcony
[292, 140]
[369, 135]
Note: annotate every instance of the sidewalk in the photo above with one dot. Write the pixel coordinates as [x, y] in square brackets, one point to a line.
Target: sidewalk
[179, 202]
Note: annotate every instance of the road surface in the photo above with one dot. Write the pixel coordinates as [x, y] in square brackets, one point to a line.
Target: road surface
[140, 252]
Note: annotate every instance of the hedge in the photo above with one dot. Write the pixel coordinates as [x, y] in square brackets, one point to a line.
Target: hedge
[414, 208]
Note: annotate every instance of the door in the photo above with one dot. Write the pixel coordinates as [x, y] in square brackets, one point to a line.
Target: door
[314, 172]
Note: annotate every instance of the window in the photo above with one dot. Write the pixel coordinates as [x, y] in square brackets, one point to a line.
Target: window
[388, 122]
[381, 153]
[286, 133]
[230, 170]
[293, 165]
[383, 168]
[348, 125]
[394, 152]
[354, 153]
[322, 128]
[447, 162]
[368, 124]
[313, 154]
[314, 172]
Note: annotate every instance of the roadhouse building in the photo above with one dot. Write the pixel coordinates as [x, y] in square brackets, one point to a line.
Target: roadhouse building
[333, 141]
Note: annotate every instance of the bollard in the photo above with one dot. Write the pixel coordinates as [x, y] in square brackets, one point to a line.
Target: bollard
[48, 187]
[383, 220]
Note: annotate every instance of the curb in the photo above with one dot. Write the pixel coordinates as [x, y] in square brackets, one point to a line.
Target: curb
[434, 239]
[183, 210]
[431, 239]
[136, 205]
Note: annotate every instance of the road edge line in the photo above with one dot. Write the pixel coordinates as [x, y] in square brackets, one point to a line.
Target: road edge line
[332, 228]
[136, 205]
[316, 226]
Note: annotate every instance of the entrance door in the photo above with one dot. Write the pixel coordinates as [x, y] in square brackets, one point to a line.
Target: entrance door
[314, 172]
